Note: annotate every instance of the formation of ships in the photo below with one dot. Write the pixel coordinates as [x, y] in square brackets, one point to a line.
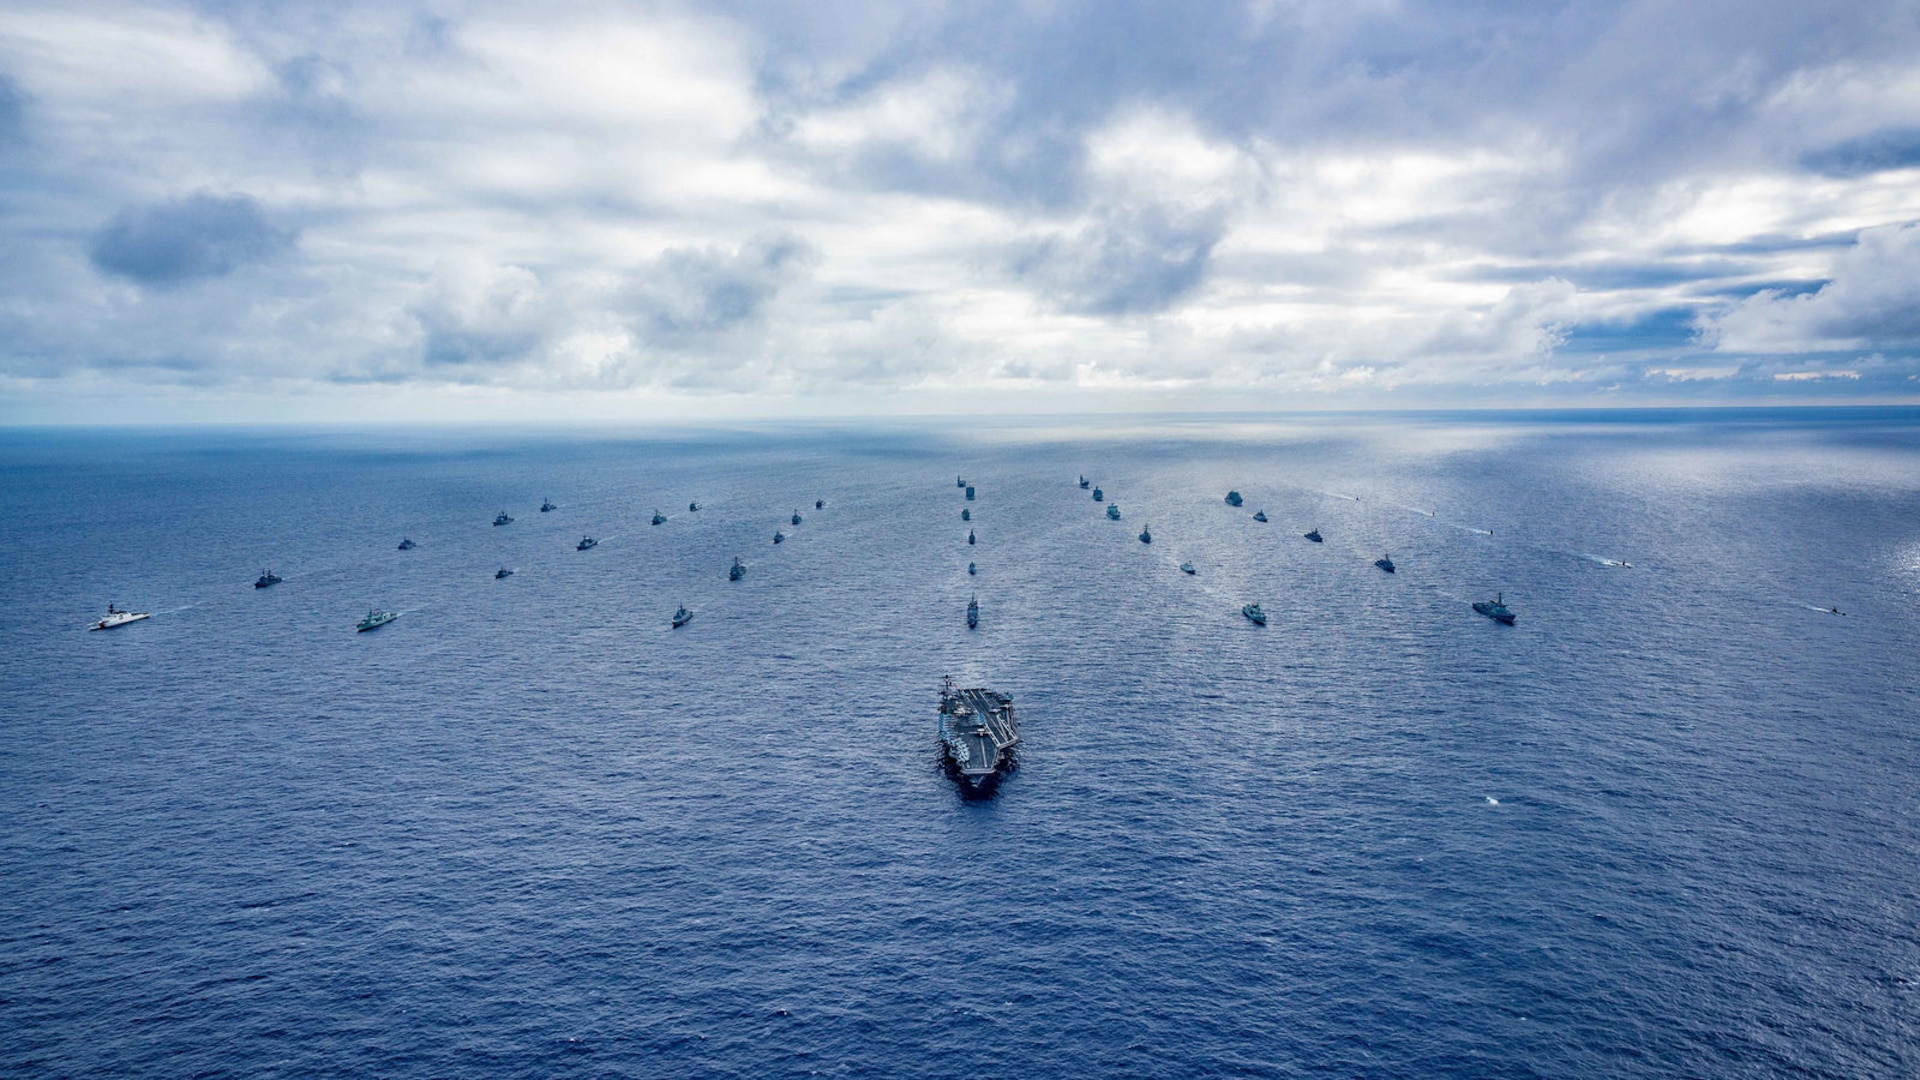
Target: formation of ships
[978, 729]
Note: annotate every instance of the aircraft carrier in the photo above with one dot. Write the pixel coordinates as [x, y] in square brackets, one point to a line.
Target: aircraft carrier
[978, 732]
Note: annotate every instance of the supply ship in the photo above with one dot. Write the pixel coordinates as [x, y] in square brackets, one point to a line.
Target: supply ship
[978, 733]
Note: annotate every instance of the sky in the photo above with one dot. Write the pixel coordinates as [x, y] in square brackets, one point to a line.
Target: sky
[255, 212]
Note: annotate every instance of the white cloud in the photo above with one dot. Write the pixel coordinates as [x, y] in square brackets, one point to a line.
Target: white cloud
[1872, 300]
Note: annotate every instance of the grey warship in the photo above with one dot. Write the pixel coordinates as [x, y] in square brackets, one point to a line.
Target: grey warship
[978, 732]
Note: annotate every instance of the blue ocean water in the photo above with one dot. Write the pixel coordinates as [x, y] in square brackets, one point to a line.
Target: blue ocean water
[1665, 825]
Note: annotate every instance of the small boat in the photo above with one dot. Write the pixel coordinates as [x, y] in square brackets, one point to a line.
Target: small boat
[1254, 614]
[1146, 535]
[819, 504]
[1384, 562]
[779, 537]
[659, 518]
[115, 617]
[406, 544]
[1233, 499]
[502, 518]
[547, 507]
[693, 508]
[1313, 536]
[266, 578]
[969, 492]
[375, 620]
[971, 569]
[796, 517]
[1186, 568]
[1260, 516]
[1099, 496]
[1496, 609]
[503, 572]
[737, 571]
[682, 617]
[965, 514]
[585, 543]
[1113, 511]
[1083, 482]
[969, 536]
[973, 613]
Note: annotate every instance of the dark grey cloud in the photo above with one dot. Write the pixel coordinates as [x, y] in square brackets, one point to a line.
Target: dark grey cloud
[688, 296]
[1898, 148]
[183, 240]
[1128, 261]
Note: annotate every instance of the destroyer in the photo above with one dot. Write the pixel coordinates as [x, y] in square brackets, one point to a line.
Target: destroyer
[682, 617]
[779, 537]
[375, 620]
[115, 617]
[966, 515]
[1384, 562]
[973, 613]
[1113, 511]
[1254, 614]
[978, 732]
[737, 571]
[266, 578]
[502, 518]
[585, 543]
[1099, 496]
[970, 536]
[971, 569]
[969, 492]
[659, 518]
[503, 572]
[1313, 536]
[796, 517]
[547, 507]
[1496, 609]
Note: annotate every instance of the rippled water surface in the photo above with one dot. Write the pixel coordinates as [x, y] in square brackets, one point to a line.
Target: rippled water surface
[1666, 825]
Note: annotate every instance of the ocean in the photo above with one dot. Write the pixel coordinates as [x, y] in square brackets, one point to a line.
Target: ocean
[1667, 824]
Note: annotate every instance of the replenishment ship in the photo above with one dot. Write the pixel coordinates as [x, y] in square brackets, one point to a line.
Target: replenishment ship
[978, 732]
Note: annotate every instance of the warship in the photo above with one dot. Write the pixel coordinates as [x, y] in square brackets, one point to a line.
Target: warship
[547, 507]
[407, 544]
[969, 492]
[266, 578]
[115, 617]
[779, 537]
[1233, 498]
[959, 481]
[969, 536]
[796, 517]
[659, 518]
[819, 504]
[1187, 568]
[1384, 562]
[1083, 482]
[375, 620]
[1496, 609]
[502, 518]
[978, 732]
[1146, 535]
[1313, 536]
[971, 569]
[585, 543]
[682, 617]
[693, 508]
[1260, 516]
[966, 515]
[503, 572]
[1254, 614]
[1113, 511]
[737, 571]
[1099, 496]
[973, 613]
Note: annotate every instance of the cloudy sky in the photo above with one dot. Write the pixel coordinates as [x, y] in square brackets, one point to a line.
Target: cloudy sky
[262, 211]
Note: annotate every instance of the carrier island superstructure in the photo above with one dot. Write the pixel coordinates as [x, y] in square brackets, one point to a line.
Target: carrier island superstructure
[978, 732]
